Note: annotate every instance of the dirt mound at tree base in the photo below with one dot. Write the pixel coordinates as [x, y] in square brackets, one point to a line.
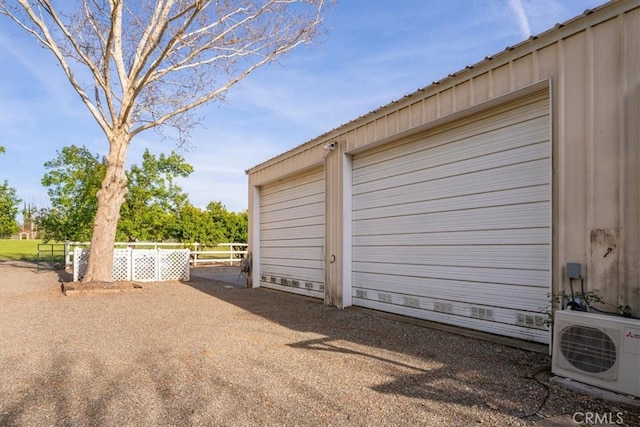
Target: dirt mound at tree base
[79, 288]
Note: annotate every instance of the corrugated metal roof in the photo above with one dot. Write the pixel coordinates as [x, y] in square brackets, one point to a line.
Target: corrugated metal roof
[509, 49]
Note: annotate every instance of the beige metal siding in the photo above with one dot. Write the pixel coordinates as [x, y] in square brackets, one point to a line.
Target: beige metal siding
[454, 224]
[292, 234]
[629, 166]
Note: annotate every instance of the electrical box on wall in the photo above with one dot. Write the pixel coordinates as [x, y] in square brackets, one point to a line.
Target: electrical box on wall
[574, 270]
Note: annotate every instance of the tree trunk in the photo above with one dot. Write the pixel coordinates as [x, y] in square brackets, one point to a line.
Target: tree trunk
[110, 199]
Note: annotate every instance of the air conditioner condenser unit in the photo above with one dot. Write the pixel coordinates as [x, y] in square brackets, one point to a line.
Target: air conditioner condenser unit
[597, 349]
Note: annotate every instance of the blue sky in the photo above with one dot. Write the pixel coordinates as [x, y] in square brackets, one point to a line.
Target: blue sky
[375, 51]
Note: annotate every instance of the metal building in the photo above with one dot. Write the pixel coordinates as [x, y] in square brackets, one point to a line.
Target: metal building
[463, 202]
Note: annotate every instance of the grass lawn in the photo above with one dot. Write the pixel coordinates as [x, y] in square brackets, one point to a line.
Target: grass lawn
[27, 250]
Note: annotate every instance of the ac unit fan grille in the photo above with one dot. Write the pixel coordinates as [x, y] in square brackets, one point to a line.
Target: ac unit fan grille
[588, 349]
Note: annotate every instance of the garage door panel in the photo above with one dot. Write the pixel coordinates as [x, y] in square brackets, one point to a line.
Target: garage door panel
[528, 236]
[272, 234]
[456, 224]
[493, 218]
[303, 271]
[294, 203]
[465, 186]
[306, 196]
[508, 256]
[299, 184]
[297, 192]
[307, 211]
[292, 234]
[503, 143]
[504, 163]
[459, 291]
[505, 321]
[302, 253]
[294, 243]
[487, 181]
[520, 196]
[315, 290]
[528, 278]
[297, 224]
[312, 265]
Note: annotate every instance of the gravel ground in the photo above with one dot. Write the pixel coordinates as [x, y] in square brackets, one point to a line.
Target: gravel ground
[209, 353]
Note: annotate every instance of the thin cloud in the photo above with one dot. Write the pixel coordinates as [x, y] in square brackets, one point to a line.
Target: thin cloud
[521, 16]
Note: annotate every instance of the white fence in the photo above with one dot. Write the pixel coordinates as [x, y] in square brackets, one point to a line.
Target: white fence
[230, 255]
[140, 265]
[148, 262]
[226, 253]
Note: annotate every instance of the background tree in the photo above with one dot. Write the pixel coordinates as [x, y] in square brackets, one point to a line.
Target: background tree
[233, 226]
[9, 203]
[9, 208]
[197, 226]
[72, 183]
[238, 227]
[220, 218]
[212, 226]
[151, 205]
[151, 62]
[149, 213]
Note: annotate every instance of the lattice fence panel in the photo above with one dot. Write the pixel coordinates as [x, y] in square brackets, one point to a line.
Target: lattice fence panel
[142, 265]
[174, 264]
[80, 260]
[122, 264]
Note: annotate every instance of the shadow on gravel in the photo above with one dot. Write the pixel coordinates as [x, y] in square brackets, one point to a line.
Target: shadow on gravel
[34, 267]
[468, 371]
[51, 386]
[61, 397]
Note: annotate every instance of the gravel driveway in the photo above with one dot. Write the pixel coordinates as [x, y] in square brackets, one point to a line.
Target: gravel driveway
[207, 353]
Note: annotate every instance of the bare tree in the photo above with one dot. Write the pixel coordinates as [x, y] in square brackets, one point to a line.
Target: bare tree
[151, 63]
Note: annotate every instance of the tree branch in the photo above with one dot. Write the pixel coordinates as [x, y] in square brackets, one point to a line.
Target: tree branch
[47, 40]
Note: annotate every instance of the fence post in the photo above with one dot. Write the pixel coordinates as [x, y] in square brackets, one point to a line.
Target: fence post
[157, 264]
[195, 254]
[67, 256]
[129, 263]
[76, 264]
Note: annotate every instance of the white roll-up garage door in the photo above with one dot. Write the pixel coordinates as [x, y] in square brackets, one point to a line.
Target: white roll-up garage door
[454, 225]
[292, 234]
